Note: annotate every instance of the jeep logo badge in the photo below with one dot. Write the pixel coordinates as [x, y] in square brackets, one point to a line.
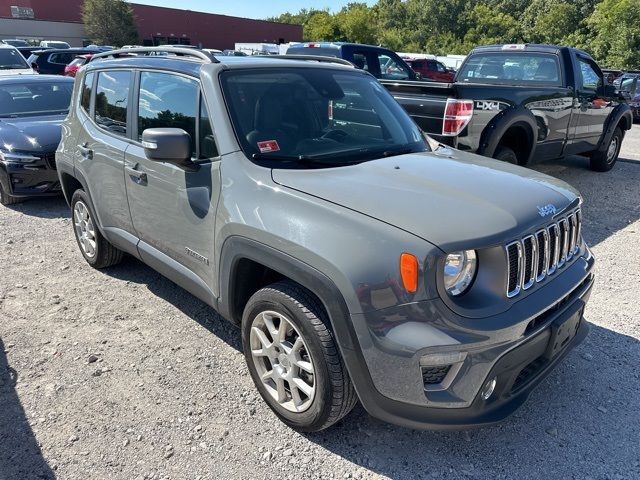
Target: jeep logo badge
[547, 210]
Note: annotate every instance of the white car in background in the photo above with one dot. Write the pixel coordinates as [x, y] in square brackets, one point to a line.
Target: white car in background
[56, 44]
[12, 62]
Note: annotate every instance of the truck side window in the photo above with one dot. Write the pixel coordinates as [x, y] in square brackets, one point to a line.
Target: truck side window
[590, 79]
[112, 98]
[85, 96]
[391, 69]
[168, 101]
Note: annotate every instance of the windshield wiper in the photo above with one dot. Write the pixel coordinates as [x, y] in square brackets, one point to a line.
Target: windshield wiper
[399, 151]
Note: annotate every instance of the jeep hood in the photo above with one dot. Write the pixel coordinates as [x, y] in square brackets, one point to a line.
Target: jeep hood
[450, 198]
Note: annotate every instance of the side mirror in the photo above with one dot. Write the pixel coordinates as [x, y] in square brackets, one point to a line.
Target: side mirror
[607, 91]
[171, 145]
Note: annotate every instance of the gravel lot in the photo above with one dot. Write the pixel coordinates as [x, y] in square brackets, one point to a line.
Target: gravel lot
[121, 374]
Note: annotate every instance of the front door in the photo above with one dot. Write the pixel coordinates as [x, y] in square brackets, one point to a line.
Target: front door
[591, 107]
[173, 210]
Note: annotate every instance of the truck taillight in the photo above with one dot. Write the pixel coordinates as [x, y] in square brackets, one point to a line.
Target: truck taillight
[457, 115]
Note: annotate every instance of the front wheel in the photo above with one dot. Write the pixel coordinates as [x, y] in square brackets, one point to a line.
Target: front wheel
[6, 199]
[293, 358]
[604, 161]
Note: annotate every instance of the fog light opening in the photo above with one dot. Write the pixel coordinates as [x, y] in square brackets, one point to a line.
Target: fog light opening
[488, 388]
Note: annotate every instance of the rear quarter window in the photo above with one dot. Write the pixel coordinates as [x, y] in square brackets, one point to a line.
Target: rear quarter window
[85, 95]
[511, 68]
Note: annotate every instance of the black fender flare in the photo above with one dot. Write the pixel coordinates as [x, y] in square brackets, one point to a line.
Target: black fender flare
[236, 248]
[619, 112]
[73, 173]
[503, 121]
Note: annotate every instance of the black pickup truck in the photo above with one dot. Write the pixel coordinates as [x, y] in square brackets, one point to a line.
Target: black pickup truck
[522, 103]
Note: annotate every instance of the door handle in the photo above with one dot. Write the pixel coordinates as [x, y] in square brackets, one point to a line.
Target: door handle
[85, 151]
[136, 175]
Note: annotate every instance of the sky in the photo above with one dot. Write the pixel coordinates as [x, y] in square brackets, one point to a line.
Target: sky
[248, 8]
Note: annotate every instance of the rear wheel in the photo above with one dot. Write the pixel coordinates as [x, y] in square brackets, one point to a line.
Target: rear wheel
[506, 155]
[6, 199]
[293, 358]
[95, 249]
[604, 161]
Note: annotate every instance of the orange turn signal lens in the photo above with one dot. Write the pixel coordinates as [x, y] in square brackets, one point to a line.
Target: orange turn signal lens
[409, 272]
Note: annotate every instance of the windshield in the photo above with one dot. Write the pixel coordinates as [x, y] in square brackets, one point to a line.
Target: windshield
[512, 69]
[306, 116]
[32, 99]
[11, 58]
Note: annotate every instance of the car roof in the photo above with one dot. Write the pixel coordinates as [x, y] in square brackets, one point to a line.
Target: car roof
[336, 45]
[40, 50]
[193, 66]
[23, 79]
[526, 47]
[7, 46]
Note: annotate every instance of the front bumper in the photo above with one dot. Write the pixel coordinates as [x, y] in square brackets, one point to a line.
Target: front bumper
[39, 178]
[389, 379]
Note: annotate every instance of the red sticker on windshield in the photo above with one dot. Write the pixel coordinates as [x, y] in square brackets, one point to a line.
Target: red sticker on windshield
[268, 146]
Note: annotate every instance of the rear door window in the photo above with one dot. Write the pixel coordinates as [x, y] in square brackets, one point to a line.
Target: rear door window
[61, 58]
[112, 99]
[392, 69]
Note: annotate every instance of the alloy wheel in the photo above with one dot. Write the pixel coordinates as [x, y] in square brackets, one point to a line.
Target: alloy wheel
[282, 361]
[85, 230]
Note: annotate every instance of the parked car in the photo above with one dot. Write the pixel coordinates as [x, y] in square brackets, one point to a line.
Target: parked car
[431, 69]
[379, 62]
[55, 44]
[71, 69]
[53, 62]
[100, 48]
[14, 42]
[27, 51]
[213, 51]
[234, 53]
[523, 104]
[12, 62]
[302, 202]
[31, 111]
[630, 91]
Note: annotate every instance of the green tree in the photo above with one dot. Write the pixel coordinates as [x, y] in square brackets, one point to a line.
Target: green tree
[615, 25]
[356, 23]
[321, 26]
[489, 25]
[109, 22]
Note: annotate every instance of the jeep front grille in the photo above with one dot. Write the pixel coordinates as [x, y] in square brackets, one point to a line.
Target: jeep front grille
[534, 257]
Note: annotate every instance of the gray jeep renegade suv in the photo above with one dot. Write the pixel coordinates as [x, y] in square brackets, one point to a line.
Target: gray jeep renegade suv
[360, 259]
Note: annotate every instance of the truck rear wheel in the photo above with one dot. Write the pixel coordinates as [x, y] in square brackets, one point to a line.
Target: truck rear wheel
[604, 161]
[293, 357]
[506, 155]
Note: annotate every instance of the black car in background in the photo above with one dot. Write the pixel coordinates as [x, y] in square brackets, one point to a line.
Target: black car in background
[53, 61]
[31, 111]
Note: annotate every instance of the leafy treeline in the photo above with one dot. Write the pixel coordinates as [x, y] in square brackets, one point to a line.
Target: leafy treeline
[608, 29]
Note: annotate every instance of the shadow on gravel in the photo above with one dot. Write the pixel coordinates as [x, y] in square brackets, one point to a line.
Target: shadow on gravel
[49, 207]
[583, 421]
[134, 271]
[20, 455]
[611, 199]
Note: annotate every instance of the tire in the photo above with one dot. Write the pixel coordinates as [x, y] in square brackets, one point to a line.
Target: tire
[6, 199]
[333, 395]
[604, 161]
[95, 249]
[506, 155]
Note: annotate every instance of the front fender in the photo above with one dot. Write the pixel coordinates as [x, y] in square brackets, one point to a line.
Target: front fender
[501, 123]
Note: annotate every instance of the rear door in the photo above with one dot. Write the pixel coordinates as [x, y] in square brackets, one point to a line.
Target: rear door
[591, 107]
[173, 210]
[102, 143]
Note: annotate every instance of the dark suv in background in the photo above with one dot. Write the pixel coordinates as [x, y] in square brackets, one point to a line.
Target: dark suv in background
[53, 61]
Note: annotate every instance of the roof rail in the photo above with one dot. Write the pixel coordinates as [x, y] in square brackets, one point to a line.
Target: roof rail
[186, 52]
[312, 58]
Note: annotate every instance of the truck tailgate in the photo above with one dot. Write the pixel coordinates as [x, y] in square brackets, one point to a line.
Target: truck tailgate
[425, 101]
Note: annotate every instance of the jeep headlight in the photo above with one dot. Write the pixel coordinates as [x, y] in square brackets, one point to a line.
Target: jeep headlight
[459, 271]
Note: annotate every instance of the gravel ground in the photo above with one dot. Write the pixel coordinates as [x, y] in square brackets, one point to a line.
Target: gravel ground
[121, 374]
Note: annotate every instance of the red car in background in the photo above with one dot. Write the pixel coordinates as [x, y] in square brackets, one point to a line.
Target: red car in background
[71, 69]
[430, 69]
